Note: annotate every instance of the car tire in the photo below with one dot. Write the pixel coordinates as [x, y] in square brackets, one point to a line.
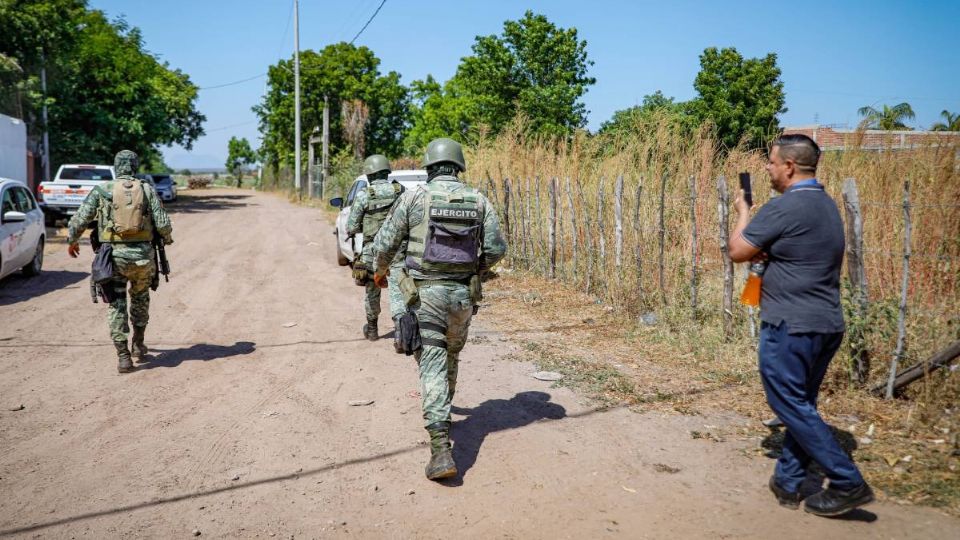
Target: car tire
[35, 265]
[341, 260]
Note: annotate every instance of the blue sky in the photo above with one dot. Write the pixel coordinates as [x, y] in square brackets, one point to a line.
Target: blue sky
[835, 56]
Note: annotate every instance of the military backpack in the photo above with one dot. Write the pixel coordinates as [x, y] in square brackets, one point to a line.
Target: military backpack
[447, 240]
[380, 198]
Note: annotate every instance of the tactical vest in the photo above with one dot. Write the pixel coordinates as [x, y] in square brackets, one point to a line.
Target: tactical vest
[380, 197]
[123, 212]
[447, 240]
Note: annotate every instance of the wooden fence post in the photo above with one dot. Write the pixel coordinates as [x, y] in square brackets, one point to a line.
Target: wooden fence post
[524, 208]
[588, 236]
[574, 232]
[693, 254]
[662, 231]
[723, 210]
[506, 208]
[638, 236]
[857, 273]
[553, 228]
[618, 225]
[540, 243]
[901, 320]
[600, 226]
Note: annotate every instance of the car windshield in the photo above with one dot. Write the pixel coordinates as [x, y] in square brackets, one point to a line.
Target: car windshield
[162, 179]
[85, 173]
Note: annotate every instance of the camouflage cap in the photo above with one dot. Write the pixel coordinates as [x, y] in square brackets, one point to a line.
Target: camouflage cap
[126, 162]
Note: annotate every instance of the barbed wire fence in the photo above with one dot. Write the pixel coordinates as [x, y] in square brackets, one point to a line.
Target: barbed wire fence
[676, 246]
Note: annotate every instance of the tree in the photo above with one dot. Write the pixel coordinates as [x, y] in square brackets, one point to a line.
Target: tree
[742, 97]
[533, 67]
[654, 108]
[951, 122]
[239, 155]
[104, 91]
[887, 118]
[344, 73]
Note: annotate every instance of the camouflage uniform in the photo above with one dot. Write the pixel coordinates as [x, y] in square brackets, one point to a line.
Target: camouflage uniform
[444, 307]
[358, 211]
[132, 261]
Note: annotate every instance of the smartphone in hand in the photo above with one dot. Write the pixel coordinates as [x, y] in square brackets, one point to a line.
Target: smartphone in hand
[747, 189]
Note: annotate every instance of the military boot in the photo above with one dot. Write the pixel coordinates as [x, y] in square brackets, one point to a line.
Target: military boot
[125, 364]
[397, 338]
[441, 458]
[370, 331]
[138, 349]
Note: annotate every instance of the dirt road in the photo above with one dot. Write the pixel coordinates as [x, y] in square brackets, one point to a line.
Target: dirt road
[241, 425]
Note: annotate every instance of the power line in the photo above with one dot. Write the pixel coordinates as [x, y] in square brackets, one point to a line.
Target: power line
[368, 21]
[232, 83]
[230, 126]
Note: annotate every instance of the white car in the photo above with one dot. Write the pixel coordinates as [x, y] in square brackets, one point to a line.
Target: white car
[21, 230]
[348, 248]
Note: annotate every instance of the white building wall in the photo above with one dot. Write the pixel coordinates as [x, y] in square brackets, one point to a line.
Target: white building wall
[13, 148]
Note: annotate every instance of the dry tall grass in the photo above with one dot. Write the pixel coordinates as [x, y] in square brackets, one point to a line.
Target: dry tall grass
[660, 160]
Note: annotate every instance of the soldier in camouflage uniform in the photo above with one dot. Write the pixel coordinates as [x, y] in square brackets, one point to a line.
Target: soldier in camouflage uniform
[132, 256]
[367, 214]
[454, 238]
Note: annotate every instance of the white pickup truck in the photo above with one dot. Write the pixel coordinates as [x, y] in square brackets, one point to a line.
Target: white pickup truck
[62, 197]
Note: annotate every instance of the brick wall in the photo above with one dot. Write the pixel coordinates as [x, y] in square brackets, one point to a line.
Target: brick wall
[838, 139]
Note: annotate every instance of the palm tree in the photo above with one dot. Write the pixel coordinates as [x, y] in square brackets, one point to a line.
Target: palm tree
[888, 118]
[951, 122]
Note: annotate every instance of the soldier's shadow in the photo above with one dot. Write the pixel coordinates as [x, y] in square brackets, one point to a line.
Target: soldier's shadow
[200, 351]
[496, 415]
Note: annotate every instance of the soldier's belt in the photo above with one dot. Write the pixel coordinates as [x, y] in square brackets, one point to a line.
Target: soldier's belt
[427, 282]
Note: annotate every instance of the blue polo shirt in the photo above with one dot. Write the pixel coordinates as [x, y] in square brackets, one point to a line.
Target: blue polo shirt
[802, 233]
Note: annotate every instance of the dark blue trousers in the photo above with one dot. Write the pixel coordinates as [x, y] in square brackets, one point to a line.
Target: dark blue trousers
[792, 367]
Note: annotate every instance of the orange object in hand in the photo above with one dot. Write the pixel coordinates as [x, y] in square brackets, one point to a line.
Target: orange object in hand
[380, 280]
[751, 291]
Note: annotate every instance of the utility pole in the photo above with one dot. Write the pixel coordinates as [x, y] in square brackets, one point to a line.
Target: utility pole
[296, 95]
[46, 133]
[326, 144]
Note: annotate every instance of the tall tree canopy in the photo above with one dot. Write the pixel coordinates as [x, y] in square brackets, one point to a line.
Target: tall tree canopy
[346, 74]
[533, 67]
[741, 96]
[886, 118]
[105, 92]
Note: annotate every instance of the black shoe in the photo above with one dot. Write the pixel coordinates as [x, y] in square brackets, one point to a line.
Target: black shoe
[834, 502]
[787, 499]
[371, 332]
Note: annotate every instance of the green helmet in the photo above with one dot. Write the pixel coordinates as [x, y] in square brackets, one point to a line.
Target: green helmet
[375, 163]
[126, 162]
[444, 150]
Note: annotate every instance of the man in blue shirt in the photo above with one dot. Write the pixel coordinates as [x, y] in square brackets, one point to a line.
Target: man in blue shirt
[800, 235]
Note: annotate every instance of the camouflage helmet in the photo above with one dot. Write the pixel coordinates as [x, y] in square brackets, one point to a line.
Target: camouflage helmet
[126, 163]
[375, 163]
[444, 150]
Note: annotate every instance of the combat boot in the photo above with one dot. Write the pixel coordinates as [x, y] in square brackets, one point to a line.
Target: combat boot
[125, 364]
[370, 331]
[441, 458]
[138, 349]
[397, 338]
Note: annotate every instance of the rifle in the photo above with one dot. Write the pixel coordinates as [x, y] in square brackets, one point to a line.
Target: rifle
[160, 262]
[96, 291]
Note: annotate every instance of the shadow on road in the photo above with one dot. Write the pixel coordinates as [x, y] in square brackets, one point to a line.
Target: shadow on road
[200, 351]
[16, 288]
[197, 202]
[497, 415]
[531, 403]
